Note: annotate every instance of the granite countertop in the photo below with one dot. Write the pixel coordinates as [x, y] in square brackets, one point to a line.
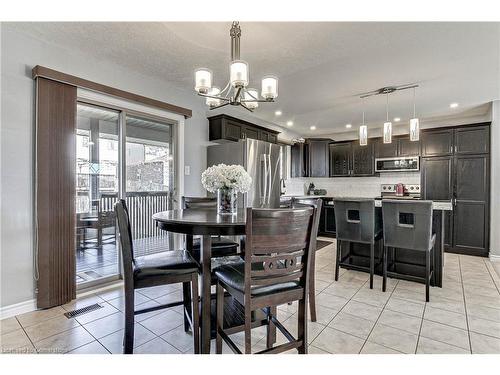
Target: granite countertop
[436, 205]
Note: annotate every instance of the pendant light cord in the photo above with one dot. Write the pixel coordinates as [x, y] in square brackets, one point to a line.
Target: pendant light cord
[414, 111]
[387, 106]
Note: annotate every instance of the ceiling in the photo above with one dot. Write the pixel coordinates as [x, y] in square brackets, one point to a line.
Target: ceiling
[322, 67]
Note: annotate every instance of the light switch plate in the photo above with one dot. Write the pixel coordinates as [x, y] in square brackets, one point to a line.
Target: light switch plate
[187, 170]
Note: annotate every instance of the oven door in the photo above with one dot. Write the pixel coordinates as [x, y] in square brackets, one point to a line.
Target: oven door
[403, 164]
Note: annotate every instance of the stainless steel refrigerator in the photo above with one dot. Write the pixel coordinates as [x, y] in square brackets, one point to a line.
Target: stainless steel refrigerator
[264, 161]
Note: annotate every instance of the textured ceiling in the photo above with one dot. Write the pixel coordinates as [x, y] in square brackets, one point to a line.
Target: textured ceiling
[322, 67]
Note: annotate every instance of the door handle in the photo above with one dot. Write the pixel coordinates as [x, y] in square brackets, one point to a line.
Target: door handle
[270, 179]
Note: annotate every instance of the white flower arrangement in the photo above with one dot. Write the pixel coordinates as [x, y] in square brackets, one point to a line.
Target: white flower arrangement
[229, 177]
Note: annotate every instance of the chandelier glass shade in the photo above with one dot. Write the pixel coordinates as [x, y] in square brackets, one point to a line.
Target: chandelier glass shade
[414, 130]
[363, 135]
[235, 92]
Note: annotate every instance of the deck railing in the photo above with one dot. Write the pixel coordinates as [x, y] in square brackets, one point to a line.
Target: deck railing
[141, 207]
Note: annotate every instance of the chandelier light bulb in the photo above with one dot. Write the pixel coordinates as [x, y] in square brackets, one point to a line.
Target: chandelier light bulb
[363, 135]
[238, 73]
[203, 80]
[270, 87]
[213, 102]
[251, 94]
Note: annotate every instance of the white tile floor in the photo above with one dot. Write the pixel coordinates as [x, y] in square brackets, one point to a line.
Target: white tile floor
[462, 317]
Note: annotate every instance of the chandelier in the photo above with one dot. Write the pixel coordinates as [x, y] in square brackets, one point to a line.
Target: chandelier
[236, 91]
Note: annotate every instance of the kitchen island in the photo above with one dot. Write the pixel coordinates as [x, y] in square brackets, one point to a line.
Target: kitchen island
[409, 264]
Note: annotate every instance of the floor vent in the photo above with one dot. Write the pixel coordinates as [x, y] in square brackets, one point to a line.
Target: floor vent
[83, 310]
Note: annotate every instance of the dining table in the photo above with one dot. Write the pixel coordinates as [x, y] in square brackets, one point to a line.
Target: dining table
[204, 223]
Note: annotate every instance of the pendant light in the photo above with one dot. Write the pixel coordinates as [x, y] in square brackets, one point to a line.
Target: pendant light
[363, 131]
[414, 123]
[387, 124]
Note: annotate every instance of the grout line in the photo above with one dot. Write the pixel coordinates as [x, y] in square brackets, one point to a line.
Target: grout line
[465, 304]
[420, 330]
[378, 318]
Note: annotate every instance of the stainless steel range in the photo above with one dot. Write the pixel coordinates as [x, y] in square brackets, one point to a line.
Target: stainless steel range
[389, 191]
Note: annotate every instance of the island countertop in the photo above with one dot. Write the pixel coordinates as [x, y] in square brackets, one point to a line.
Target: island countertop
[436, 205]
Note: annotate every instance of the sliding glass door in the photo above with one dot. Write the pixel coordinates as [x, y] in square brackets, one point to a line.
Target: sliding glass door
[97, 189]
[149, 181]
[119, 155]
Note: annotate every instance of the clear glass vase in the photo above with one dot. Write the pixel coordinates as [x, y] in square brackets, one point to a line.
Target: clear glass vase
[227, 202]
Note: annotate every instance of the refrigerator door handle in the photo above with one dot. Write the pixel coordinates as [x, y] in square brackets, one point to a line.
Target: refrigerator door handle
[263, 179]
[270, 183]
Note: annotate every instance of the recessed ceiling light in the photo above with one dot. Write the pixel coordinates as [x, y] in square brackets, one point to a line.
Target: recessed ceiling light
[348, 126]
[313, 127]
[278, 113]
[397, 119]
[453, 105]
[289, 123]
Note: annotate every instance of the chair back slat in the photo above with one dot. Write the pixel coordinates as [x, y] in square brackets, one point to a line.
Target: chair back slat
[199, 202]
[278, 245]
[127, 248]
[407, 224]
[355, 220]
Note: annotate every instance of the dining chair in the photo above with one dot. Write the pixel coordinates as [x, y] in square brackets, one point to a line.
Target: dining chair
[408, 225]
[357, 221]
[275, 271]
[169, 267]
[221, 246]
[317, 204]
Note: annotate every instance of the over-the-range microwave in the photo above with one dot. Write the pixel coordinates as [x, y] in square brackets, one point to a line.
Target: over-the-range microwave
[398, 164]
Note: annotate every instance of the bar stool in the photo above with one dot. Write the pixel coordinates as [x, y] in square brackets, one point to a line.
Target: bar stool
[408, 225]
[357, 221]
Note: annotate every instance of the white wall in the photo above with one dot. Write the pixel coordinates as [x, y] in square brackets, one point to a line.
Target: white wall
[495, 182]
[19, 54]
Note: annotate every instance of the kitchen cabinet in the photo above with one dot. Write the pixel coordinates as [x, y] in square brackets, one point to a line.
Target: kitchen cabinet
[318, 157]
[349, 159]
[460, 174]
[327, 226]
[437, 142]
[223, 128]
[400, 146]
[311, 158]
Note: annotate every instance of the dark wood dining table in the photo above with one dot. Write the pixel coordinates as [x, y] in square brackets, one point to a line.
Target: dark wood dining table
[205, 223]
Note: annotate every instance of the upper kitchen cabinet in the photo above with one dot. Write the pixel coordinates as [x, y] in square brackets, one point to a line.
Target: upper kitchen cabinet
[349, 159]
[437, 142]
[400, 146]
[318, 157]
[340, 159]
[222, 128]
[472, 140]
[311, 158]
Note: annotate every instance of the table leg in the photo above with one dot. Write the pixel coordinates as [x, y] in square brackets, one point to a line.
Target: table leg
[205, 293]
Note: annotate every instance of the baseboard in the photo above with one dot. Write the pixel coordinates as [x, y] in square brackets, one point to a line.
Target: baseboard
[494, 258]
[17, 308]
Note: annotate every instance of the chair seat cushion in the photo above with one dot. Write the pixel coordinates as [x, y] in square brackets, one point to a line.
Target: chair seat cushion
[163, 264]
[221, 247]
[233, 275]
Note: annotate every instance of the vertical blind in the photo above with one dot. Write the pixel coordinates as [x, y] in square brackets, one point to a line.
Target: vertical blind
[55, 192]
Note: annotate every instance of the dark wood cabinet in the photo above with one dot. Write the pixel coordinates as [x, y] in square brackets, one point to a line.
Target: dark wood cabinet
[327, 219]
[407, 147]
[226, 128]
[437, 142]
[436, 178]
[311, 158]
[340, 159]
[297, 160]
[385, 150]
[318, 157]
[472, 140]
[459, 174]
[351, 159]
[363, 163]
[400, 146]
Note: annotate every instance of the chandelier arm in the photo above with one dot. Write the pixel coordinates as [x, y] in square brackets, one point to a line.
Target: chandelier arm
[238, 92]
[258, 101]
[213, 97]
[244, 106]
[219, 106]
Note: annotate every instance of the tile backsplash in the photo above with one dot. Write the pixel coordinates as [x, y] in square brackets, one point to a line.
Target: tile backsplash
[368, 187]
